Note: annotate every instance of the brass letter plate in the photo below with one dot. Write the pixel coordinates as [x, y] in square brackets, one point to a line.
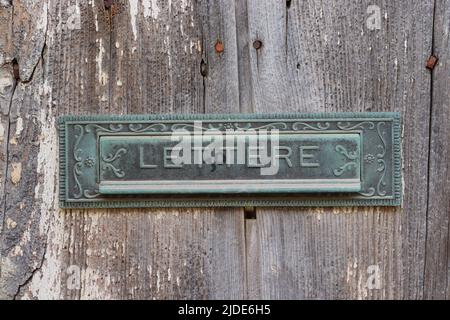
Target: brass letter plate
[230, 160]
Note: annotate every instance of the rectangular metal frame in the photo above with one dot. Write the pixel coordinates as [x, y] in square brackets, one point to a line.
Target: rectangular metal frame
[380, 165]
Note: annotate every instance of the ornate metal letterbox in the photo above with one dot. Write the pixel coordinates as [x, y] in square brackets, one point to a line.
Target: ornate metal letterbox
[230, 160]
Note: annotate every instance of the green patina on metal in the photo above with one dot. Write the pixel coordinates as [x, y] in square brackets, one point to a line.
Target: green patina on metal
[340, 159]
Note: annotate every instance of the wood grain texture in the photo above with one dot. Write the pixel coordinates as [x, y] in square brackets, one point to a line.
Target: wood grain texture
[199, 253]
[253, 256]
[24, 224]
[321, 57]
[437, 266]
[129, 58]
[222, 80]
[141, 56]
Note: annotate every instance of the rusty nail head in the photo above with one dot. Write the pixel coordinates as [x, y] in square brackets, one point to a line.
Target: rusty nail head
[219, 46]
[431, 62]
[257, 44]
[114, 10]
[108, 3]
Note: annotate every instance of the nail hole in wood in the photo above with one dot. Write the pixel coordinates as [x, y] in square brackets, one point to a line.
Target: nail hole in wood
[257, 44]
[16, 72]
[250, 213]
[203, 68]
[108, 4]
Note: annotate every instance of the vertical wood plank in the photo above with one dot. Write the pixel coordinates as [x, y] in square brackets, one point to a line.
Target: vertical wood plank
[253, 262]
[88, 66]
[7, 86]
[437, 267]
[63, 69]
[25, 112]
[244, 45]
[319, 57]
[155, 51]
[220, 53]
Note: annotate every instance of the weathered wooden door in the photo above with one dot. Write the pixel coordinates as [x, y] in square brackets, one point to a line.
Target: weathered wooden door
[191, 56]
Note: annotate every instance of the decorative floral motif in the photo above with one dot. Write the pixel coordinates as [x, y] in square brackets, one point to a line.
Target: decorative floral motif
[78, 190]
[228, 126]
[350, 155]
[319, 126]
[113, 127]
[89, 162]
[139, 127]
[380, 187]
[109, 159]
[377, 154]
[381, 162]
[352, 126]
[369, 158]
